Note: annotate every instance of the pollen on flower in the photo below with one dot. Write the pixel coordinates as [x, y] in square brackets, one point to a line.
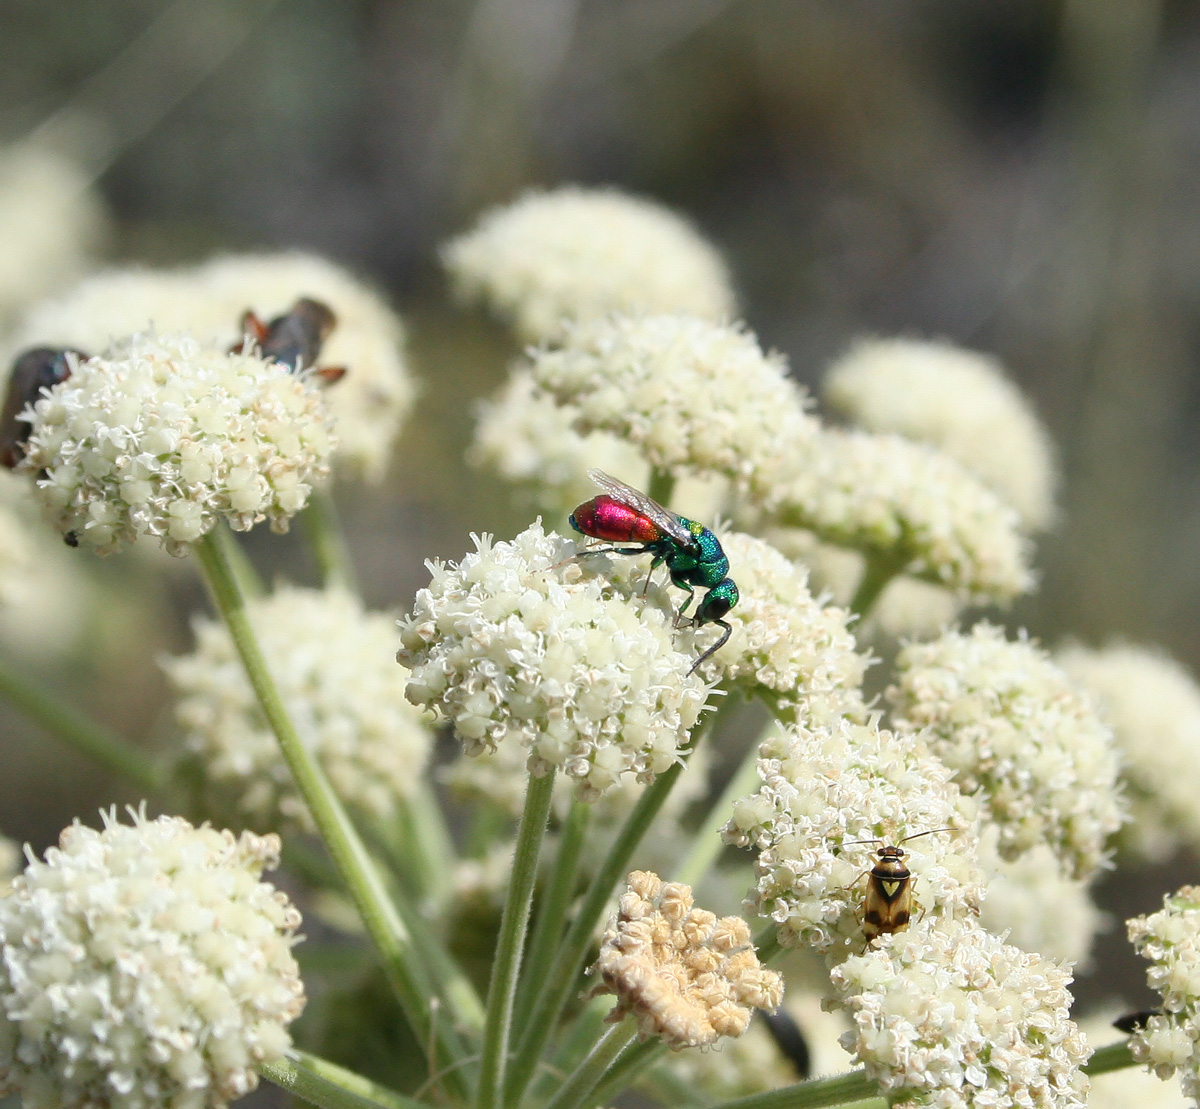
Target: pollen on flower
[959, 401]
[1019, 736]
[333, 664]
[831, 795]
[911, 506]
[687, 976]
[521, 642]
[164, 437]
[950, 1015]
[573, 254]
[144, 966]
[692, 396]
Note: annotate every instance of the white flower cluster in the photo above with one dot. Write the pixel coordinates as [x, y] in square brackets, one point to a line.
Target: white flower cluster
[51, 221]
[785, 645]
[911, 506]
[1019, 737]
[1170, 940]
[1130, 1086]
[953, 1017]
[573, 254]
[691, 395]
[333, 663]
[207, 302]
[146, 966]
[825, 790]
[522, 643]
[687, 976]
[959, 401]
[1153, 706]
[165, 437]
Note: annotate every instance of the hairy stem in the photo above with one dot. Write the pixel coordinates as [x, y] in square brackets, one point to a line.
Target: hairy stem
[878, 570]
[328, 540]
[325, 1084]
[574, 1091]
[838, 1089]
[1111, 1057]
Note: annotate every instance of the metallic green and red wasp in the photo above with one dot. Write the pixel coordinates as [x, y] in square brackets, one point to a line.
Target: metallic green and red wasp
[691, 553]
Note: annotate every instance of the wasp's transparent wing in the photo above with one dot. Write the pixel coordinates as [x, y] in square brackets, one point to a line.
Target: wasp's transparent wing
[664, 519]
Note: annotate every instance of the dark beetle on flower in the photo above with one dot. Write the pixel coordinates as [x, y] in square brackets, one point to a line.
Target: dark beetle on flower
[33, 370]
[295, 338]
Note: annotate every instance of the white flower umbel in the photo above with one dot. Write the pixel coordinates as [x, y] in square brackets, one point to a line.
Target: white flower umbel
[51, 222]
[1170, 940]
[951, 1016]
[333, 663]
[207, 302]
[687, 976]
[1019, 737]
[166, 437]
[910, 507]
[1153, 705]
[786, 644]
[824, 787]
[521, 642]
[691, 395]
[146, 966]
[959, 401]
[575, 254]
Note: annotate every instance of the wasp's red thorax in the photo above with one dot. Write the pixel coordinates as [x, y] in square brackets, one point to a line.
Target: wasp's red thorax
[605, 517]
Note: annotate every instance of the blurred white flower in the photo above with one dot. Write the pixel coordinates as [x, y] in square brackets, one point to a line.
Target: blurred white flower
[144, 966]
[1170, 940]
[959, 401]
[1153, 706]
[1130, 1086]
[911, 506]
[831, 796]
[333, 664]
[521, 642]
[1019, 737]
[951, 1016]
[575, 254]
[687, 976]
[165, 437]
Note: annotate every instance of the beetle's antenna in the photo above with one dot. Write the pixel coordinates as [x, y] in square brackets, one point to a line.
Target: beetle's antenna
[715, 647]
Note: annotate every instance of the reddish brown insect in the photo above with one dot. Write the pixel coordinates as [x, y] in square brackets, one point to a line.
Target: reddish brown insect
[295, 338]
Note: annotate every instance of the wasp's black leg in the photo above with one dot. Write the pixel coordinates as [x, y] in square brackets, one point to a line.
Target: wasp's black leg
[715, 647]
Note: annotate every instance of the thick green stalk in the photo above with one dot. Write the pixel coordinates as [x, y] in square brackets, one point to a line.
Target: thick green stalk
[662, 485]
[626, 1069]
[392, 939]
[878, 570]
[564, 971]
[79, 731]
[325, 1084]
[502, 988]
[839, 1089]
[552, 912]
[1111, 1057]
[432, 838]
[328, 541]
[243, 569]
[574, 1092]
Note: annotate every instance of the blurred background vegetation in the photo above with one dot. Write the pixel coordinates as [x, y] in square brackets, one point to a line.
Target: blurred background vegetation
[1016, 177]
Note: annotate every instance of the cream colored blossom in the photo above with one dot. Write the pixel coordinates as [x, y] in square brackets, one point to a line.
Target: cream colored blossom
[692, 396]
[951, 1016]
[145, 966]
[333, 664]
[164, 437]
[687, 976]
[51, 222]
[368, 404]
[1153, 706]
[909, 506]
[1170, 940]
[522, 643]
[959, 401]
[1019, 737]
[786, 645]
[575, 254]
[826, 789]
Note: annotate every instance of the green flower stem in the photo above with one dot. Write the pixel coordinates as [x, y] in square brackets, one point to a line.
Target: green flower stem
[328, 540]
[838, 1089]
[662, 485]
[432, 838]
[578, 1039]
[552, 913]
[574, 1092]
[322, 1083]
[243, 569]
[502, 988]
[79, 731]
[392, 939]
[561, 980]
[878, 570]
[767, 944]
[626, 1069]
[1111, 1057]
